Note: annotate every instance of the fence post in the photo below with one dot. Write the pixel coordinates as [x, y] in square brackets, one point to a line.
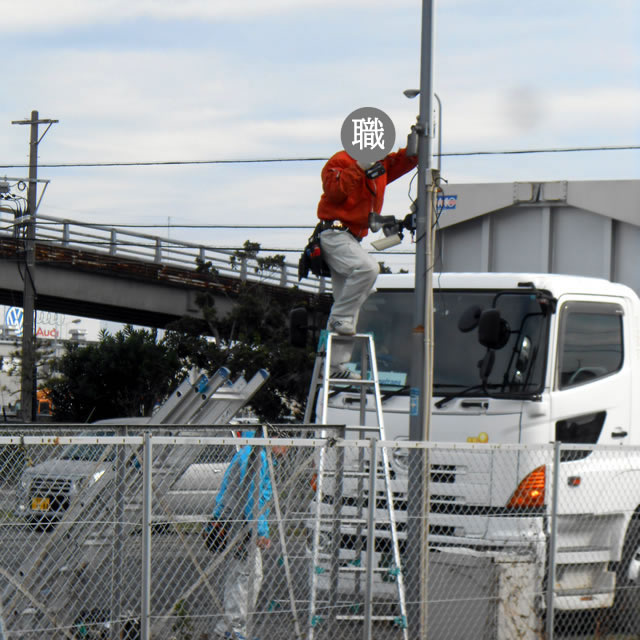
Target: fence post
[553, 533]
[371, 539]
[145, 605]
[254, 551]
[119, 541]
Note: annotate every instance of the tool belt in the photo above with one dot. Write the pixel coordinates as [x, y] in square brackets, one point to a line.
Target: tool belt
[336, 225]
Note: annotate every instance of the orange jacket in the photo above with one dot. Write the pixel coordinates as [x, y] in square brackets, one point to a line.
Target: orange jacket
[349, 196]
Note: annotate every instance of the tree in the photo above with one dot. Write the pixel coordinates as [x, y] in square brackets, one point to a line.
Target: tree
[127, 374]
[123, 375]
[254, 335]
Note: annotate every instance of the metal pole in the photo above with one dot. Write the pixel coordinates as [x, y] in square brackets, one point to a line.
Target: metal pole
[28, 377]
[254, 551]
[371, 540]
[421, 364]
[29, 294]
[119, 541]
[553, 534]
[145, 605]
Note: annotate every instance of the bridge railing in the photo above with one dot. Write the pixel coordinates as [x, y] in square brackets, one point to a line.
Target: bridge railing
[119, 242]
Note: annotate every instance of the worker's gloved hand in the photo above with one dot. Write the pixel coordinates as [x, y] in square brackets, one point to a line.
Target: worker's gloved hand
[372, 169]
[376, 221]
[412, 143]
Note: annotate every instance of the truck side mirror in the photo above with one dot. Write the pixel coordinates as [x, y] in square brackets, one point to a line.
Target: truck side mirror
[493, 330]
[298, 327]
[469, 319]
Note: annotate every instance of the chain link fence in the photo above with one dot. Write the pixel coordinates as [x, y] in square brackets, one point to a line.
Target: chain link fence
[200, 534]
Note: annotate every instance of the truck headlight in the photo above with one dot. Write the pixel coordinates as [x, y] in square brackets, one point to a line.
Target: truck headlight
[96, 476]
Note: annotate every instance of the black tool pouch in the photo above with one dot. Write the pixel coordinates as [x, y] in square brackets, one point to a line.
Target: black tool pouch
[312, 259]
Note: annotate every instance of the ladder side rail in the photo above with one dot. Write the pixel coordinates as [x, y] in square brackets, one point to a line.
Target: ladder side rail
[338, 493]
[164, 478]
[219, 413]
[176, 398]
[194, 394]
[359, 547]
[315, 546]
[389, 493]
[195, 401]
[219, 401]
[313, 388]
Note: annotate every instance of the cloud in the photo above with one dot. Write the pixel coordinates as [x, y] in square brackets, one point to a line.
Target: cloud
[43, 16]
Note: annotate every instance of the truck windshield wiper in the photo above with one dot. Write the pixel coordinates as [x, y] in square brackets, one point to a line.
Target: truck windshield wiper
[395, 392]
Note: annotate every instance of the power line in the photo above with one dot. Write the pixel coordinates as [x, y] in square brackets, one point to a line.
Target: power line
[152, 163]
[159, 225]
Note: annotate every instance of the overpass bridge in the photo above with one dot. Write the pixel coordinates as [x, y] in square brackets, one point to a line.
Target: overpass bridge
[115, 274]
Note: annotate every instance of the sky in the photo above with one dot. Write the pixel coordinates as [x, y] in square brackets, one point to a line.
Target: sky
[203, 80]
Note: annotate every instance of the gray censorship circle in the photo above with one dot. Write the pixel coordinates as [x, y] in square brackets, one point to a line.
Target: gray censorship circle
[368, 134]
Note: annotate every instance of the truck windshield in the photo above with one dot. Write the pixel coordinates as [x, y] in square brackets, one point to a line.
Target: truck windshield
[519, 366]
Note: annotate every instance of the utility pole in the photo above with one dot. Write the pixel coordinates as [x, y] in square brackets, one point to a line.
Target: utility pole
[28, 378]
[421, 372]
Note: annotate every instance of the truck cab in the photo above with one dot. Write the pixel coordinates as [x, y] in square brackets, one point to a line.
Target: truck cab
[519, 359]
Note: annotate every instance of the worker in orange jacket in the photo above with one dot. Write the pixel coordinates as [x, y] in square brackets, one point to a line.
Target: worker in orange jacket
[352, 192]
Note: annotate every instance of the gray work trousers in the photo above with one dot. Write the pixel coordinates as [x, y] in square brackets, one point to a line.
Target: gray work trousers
[353, 274]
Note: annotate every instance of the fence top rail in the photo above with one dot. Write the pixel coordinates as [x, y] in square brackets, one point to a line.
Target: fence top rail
[196, 439]
[138, 440]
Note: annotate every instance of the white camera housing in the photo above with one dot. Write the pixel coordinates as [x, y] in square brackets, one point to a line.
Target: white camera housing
[387, 242]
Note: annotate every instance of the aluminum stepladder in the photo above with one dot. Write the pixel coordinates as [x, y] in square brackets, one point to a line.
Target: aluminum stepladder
[322, 381]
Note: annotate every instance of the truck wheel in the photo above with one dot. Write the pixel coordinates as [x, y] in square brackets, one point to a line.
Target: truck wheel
[626, 606]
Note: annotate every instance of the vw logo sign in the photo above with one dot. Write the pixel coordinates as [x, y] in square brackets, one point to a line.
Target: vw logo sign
[13, 318]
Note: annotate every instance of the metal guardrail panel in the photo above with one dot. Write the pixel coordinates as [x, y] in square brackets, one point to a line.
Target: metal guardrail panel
[114, 241]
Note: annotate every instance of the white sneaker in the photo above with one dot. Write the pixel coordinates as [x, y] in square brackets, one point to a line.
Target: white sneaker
[341, 372]
[342, 327]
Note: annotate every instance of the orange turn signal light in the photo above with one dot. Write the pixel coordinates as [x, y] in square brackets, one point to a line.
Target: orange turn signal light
[530, 492]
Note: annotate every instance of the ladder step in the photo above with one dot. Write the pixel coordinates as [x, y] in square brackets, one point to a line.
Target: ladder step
[352, 569]
[341, 381]
[378, 618]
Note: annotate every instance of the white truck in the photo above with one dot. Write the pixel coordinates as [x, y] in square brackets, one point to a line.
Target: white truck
[526, 359]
